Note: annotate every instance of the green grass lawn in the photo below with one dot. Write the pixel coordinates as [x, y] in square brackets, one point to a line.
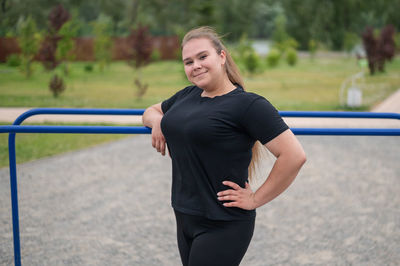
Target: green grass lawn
[34, 146]
[307, 86]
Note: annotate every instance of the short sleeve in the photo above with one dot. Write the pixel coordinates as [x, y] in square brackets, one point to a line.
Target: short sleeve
[166, 104]
[262, 121]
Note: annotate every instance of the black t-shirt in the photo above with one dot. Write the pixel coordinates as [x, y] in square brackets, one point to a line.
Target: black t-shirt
[210, 140]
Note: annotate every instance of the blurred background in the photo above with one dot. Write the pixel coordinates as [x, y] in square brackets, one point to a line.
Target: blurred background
[301, 55]
[103, 206]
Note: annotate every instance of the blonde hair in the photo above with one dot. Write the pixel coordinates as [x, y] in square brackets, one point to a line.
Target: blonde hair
[234, 76]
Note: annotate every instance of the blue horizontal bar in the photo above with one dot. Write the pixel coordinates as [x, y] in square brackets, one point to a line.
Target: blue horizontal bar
[76, 111]
[329, 114]
[76, 129]
[88, 111]
[146, 130]
[347, 131]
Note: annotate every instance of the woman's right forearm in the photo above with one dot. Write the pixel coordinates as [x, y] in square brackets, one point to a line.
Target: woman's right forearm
[152, 116]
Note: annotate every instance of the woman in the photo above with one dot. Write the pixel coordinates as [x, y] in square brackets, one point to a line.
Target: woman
[210, 130]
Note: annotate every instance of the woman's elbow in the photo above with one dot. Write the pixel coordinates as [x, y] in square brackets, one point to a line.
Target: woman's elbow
[301, 158]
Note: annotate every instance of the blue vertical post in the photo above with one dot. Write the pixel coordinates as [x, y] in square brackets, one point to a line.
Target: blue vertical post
[14, 198]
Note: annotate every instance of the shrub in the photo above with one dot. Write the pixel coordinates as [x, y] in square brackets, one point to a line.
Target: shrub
[56, 85]
[13, 60]
[88, 68]
[155, 55]
[245, 56]
[287, 44]
[273, 57]
[397, 41]
[103, 42]
[291, 57]
[379, 49]
[28, 40]
[350, 40]
[252, 62]
[312, 48]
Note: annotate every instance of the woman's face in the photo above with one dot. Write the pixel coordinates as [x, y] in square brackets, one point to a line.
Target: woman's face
[204, 67]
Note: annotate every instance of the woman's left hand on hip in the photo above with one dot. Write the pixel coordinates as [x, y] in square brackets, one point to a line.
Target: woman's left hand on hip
[237, 196]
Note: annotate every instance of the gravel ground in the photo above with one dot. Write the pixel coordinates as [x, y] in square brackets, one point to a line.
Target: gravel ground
[110, 205]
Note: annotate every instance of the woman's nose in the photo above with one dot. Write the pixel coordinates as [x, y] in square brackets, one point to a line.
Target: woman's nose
[196, 64]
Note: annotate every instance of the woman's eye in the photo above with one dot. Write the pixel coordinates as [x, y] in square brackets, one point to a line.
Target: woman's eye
[188, 63]
[203, 57]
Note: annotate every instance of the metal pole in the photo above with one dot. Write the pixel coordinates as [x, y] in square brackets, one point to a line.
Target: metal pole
[14, 198]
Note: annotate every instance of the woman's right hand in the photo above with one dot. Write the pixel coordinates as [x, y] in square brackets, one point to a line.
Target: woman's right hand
[157, 139]
[152, 118]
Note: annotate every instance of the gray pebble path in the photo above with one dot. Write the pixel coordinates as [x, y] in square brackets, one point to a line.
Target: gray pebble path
[110, 205]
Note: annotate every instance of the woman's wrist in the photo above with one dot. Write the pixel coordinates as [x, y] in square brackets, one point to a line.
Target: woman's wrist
[152, 118]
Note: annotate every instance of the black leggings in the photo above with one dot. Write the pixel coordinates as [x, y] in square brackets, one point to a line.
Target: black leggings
[205, 242]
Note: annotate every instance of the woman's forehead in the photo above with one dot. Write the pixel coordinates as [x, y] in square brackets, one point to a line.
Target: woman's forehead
[196, 46]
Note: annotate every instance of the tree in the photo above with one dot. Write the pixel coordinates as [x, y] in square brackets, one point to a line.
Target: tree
[141, 49]
[115, 10]
[280, 35]
[57, 17]
[29, 40]
[103, 42]
[379, 49]
[235, 18]
[66, 43]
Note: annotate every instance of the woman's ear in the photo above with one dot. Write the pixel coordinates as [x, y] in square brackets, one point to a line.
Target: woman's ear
[223, 57]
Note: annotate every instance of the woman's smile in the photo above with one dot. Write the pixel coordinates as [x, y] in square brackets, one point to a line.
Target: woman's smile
[199, 74]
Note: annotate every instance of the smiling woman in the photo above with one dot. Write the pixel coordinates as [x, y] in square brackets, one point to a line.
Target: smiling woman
[204, 67]
[214, 130]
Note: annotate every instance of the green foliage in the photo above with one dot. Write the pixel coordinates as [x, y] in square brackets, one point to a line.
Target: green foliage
[29, 40]
[350, 41]
[66, 44]
[88, 68]
[324, 21]
[252, 62]
[397, 41]
[244, 47]
[155, 55]
[273, 57]
[280, 35]
[245, 56]
[103, 42]
[318, 89]
[291, 56]
[13, 60]
[283, 42]
[312, 48]
[287, 44]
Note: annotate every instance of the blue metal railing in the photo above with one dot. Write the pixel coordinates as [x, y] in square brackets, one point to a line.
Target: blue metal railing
[17, 128]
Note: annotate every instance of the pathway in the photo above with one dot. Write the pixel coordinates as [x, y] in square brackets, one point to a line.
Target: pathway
[391, 104]
[109, 205]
